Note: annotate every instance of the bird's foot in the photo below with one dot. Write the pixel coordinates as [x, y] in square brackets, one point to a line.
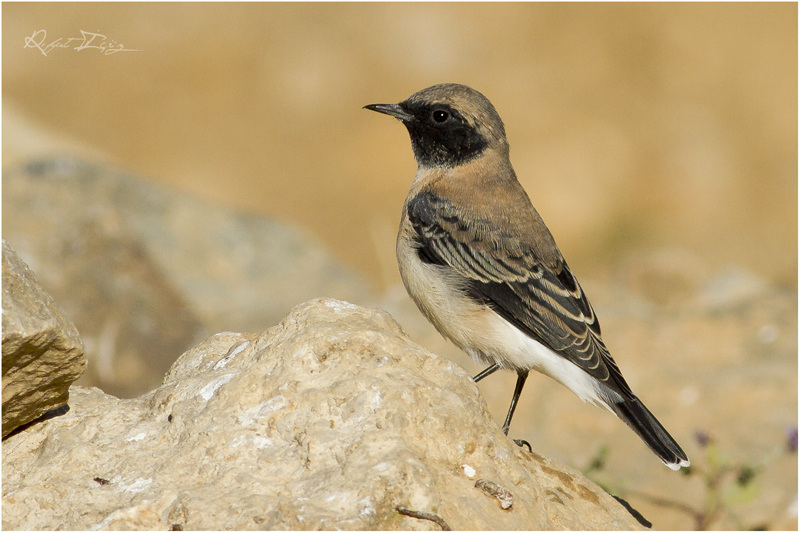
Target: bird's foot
[523, 443]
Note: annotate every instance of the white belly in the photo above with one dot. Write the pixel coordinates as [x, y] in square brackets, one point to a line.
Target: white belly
[486, 336]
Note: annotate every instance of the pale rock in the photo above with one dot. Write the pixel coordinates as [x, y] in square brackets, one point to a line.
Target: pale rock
[333, 419]
[42, 351]
[146, 272]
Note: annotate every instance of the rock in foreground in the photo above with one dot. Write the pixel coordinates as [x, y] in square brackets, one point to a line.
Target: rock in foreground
[332, 419]
[42, 351]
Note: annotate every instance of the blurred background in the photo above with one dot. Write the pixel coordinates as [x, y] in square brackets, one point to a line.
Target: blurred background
[658, 141]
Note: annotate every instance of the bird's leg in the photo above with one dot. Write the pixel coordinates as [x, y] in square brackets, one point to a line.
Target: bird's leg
[486, 372]
[521, 377]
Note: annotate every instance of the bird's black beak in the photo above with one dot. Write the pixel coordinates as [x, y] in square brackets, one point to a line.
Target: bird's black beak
[394, 110]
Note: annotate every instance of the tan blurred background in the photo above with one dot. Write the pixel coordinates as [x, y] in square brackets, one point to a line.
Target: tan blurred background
[631, 125]
[658, 141]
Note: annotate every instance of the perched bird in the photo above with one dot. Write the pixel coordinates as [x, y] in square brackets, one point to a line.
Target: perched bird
[482, 266]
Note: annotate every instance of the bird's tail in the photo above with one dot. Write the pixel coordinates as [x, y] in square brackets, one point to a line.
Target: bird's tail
[641, 420]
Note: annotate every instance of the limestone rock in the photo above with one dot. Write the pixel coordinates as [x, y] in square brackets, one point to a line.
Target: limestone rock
[332, 419]
[707, 349]
[147, 272]
[42, 351]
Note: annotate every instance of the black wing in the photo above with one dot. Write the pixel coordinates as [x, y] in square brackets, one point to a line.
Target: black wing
[545, 302]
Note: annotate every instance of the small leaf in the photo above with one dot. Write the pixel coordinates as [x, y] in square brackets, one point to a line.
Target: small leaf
[737, 494]
[746, 474]
[599, 460]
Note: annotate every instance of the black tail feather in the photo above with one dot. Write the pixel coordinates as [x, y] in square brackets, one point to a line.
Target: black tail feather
[639, 419]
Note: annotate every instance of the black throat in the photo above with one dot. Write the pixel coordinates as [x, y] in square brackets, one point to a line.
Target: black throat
[450, 144]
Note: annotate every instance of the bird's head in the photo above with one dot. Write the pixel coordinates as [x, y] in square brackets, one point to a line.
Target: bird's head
[449, 124]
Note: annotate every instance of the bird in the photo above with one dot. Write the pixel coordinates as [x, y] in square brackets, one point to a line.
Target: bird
[482, 266]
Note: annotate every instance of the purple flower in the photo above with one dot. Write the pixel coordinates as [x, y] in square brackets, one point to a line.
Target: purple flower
[791, 439]
[702, 437]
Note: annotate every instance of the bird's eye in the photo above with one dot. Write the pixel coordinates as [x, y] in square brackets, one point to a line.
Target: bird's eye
[440, 115]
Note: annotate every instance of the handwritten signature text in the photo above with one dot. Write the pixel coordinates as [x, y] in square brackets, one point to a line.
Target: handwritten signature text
[87, 41]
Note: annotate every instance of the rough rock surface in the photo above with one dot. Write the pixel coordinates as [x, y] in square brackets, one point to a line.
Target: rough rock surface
[332, 419]
[42, 351]
[147, 272]
[708, 350]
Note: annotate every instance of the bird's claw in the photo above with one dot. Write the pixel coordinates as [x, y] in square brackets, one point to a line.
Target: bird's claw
[522, 443]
